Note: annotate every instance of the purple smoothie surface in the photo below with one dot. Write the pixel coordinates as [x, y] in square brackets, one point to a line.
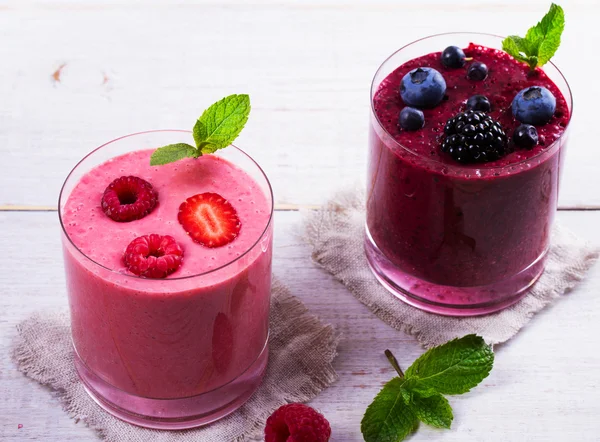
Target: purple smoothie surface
[505, 79]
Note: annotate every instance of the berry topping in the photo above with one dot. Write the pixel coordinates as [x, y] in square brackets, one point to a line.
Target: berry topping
[474, 137]
[411, 118]
[422, 87]
[128, 198]
[477, 71]
[153, 256]
[525, 136]
[453, 57]
[479, 103]
[209, 219]
[297, 423]
[534, 105]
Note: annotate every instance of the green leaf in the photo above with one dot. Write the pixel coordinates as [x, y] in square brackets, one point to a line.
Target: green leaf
[389, 418]
[518, 47]
[523, 44]
[173, 152]
[541, 41]
[432, 410]
[221, 123]
[454, 367]
[547, 33]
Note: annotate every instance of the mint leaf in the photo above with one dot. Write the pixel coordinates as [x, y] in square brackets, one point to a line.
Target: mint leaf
[389, 418]
[522, 44]
[221, 123]
[433, 410]
[546, 34]
[513, 46]
[518, 47]
[172, 152]
[452, 368]
[541, 41]
[216, 128]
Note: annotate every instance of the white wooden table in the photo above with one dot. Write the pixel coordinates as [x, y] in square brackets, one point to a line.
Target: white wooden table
[74, 74]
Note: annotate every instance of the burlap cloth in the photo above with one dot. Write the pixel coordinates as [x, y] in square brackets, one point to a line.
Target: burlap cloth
[301, 353]
[336, 233]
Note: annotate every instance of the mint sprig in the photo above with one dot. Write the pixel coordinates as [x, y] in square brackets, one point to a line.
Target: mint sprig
[173, 152]
[541, 41]
[217, 128]
[389, 417]
[432, 410]
[417, 396]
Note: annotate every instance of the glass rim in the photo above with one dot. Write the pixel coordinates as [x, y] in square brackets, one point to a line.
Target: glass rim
[181, 278]
[547, 151]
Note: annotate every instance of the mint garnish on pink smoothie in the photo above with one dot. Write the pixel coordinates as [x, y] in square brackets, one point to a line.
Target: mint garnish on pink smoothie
[540, 42]
[217, 128]
[418, 395]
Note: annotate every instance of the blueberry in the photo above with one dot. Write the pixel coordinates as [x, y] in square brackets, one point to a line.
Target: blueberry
[478, 71]
[422, 87]
[534, 105]
[479, 103]
[411, 118]
[525, 136]
[453, 57]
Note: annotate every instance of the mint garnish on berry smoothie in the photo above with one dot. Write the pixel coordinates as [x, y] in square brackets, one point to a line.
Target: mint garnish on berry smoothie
[541, 41]
[217, 128]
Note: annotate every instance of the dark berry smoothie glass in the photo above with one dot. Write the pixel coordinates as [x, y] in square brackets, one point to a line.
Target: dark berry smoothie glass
[188, 349]
[451, 238]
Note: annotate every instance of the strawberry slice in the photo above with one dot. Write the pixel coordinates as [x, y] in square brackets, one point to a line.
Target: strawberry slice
[209, 219]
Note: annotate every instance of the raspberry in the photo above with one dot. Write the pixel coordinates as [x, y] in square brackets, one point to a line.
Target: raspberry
[153, 256]
[297, 423]
[128, 198]
[474, 137]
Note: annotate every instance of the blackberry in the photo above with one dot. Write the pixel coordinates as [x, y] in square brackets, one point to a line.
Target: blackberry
[474, 137]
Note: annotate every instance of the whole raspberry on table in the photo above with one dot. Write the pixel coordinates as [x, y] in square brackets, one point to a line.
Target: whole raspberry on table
[297, 423]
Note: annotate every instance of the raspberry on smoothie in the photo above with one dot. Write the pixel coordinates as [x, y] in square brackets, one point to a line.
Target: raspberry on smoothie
[466, 147]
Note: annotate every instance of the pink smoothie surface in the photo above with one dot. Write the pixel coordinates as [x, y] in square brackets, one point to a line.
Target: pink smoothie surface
[193, 331]
[458, 225]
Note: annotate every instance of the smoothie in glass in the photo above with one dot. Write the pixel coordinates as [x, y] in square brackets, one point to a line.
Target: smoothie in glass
[456, 237]
[185, 347]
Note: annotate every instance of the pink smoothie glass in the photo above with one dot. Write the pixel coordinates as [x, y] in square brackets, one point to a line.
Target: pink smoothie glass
[170, 353]
[451, 239]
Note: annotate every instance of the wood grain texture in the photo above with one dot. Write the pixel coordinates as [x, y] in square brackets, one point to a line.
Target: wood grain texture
[544, 386]
[76, 74]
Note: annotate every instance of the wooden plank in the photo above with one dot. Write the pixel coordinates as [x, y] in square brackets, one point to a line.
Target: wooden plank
[542, 387]
[77, 74]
